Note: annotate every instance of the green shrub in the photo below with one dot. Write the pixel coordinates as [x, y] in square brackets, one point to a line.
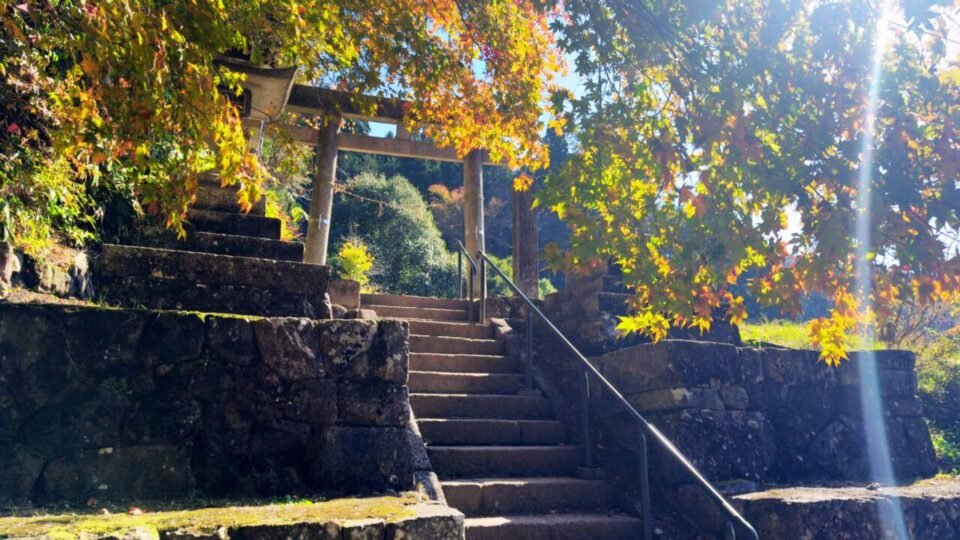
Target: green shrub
[355, 263]
[946, 444]
[397, 226]
[938, 380]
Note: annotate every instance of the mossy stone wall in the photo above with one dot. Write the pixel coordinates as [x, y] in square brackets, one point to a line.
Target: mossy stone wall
[124, 404]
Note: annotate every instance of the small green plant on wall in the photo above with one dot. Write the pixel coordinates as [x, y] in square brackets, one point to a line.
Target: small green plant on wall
[356, 263]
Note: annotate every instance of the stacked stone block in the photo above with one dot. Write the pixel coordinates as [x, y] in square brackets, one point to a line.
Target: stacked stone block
[773, 415]
[100, 404]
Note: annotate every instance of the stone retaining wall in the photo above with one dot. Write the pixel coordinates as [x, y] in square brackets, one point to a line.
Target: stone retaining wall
[771, 415]
[158, 405]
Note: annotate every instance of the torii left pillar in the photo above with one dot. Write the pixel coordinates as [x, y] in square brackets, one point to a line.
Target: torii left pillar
[473, 207]
[321, 200]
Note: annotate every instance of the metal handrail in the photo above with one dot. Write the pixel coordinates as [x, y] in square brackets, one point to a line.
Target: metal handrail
[473, 270]
[648, 428]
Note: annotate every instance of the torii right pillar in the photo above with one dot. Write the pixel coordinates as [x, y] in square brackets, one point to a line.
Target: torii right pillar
[526, 271]
[473, 207]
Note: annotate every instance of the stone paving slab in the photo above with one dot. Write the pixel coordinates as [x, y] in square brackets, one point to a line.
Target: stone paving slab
[930, 509]
[372, 518]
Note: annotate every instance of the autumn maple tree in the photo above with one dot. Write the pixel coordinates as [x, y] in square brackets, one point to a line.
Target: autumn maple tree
[125, 95]
[705, 128]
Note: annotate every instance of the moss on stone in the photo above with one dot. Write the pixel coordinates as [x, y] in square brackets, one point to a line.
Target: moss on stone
[204, 521]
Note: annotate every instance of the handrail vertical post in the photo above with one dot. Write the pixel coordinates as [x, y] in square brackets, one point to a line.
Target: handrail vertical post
[585, 411]
[470, 289]
[460, 274]
[483, 287]
[645, 488]
[529, 347]
[729, 533]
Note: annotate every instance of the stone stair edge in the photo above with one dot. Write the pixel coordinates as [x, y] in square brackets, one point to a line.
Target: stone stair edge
[566, 525]
[107, 248]
[233, 223]
[385, 307]
[225, 236]
[454, 338]
[221, 244]
[514, 481]
[410, 301]
[477, 375]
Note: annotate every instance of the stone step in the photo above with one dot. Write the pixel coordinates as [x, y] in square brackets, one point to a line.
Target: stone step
[168, 279]
[451, 329]
[211, 196]
[479, 406]
[503, 461]
[233, 223]
[554, 527]
[437, 382]
[398, 300]
[432, 314]
[454, 345]
[463, 363]
[479, 431]
[498, 496]
[929, 510]
[223, 244]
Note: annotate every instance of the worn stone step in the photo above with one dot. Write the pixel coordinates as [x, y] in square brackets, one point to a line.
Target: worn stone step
[451, 329]
[182, 295]
[433, 314]
[137, 261]
[479, 406]
[554, 527]
[211, 195]
[223, 244]
[436, 382]
[463, 363]
[479, 431]
[502, 461]
[498, 496]
[398, 300]
[135, 276]
[454, 345]
[233, 223]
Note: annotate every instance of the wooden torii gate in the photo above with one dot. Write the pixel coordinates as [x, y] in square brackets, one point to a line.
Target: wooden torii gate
[329, 140]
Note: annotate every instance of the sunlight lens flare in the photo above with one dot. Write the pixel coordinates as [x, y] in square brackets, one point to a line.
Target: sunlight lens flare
[871, 401]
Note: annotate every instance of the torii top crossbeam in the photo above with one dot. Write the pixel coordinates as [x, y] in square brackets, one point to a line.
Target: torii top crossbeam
[328, 140]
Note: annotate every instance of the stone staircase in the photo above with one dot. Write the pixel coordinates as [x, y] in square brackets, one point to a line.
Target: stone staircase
[230, 262]
[503, 458]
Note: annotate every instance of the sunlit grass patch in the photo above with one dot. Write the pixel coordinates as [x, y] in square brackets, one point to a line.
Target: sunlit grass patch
[209, 520]
[793, 335]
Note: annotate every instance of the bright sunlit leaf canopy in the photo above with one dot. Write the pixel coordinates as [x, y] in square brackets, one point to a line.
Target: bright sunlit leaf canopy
[721, 144]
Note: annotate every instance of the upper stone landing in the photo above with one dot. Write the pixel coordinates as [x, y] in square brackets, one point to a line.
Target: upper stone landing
[230, 262]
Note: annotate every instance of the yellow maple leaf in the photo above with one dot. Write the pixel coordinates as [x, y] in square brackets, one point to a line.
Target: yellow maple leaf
[522, 183]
